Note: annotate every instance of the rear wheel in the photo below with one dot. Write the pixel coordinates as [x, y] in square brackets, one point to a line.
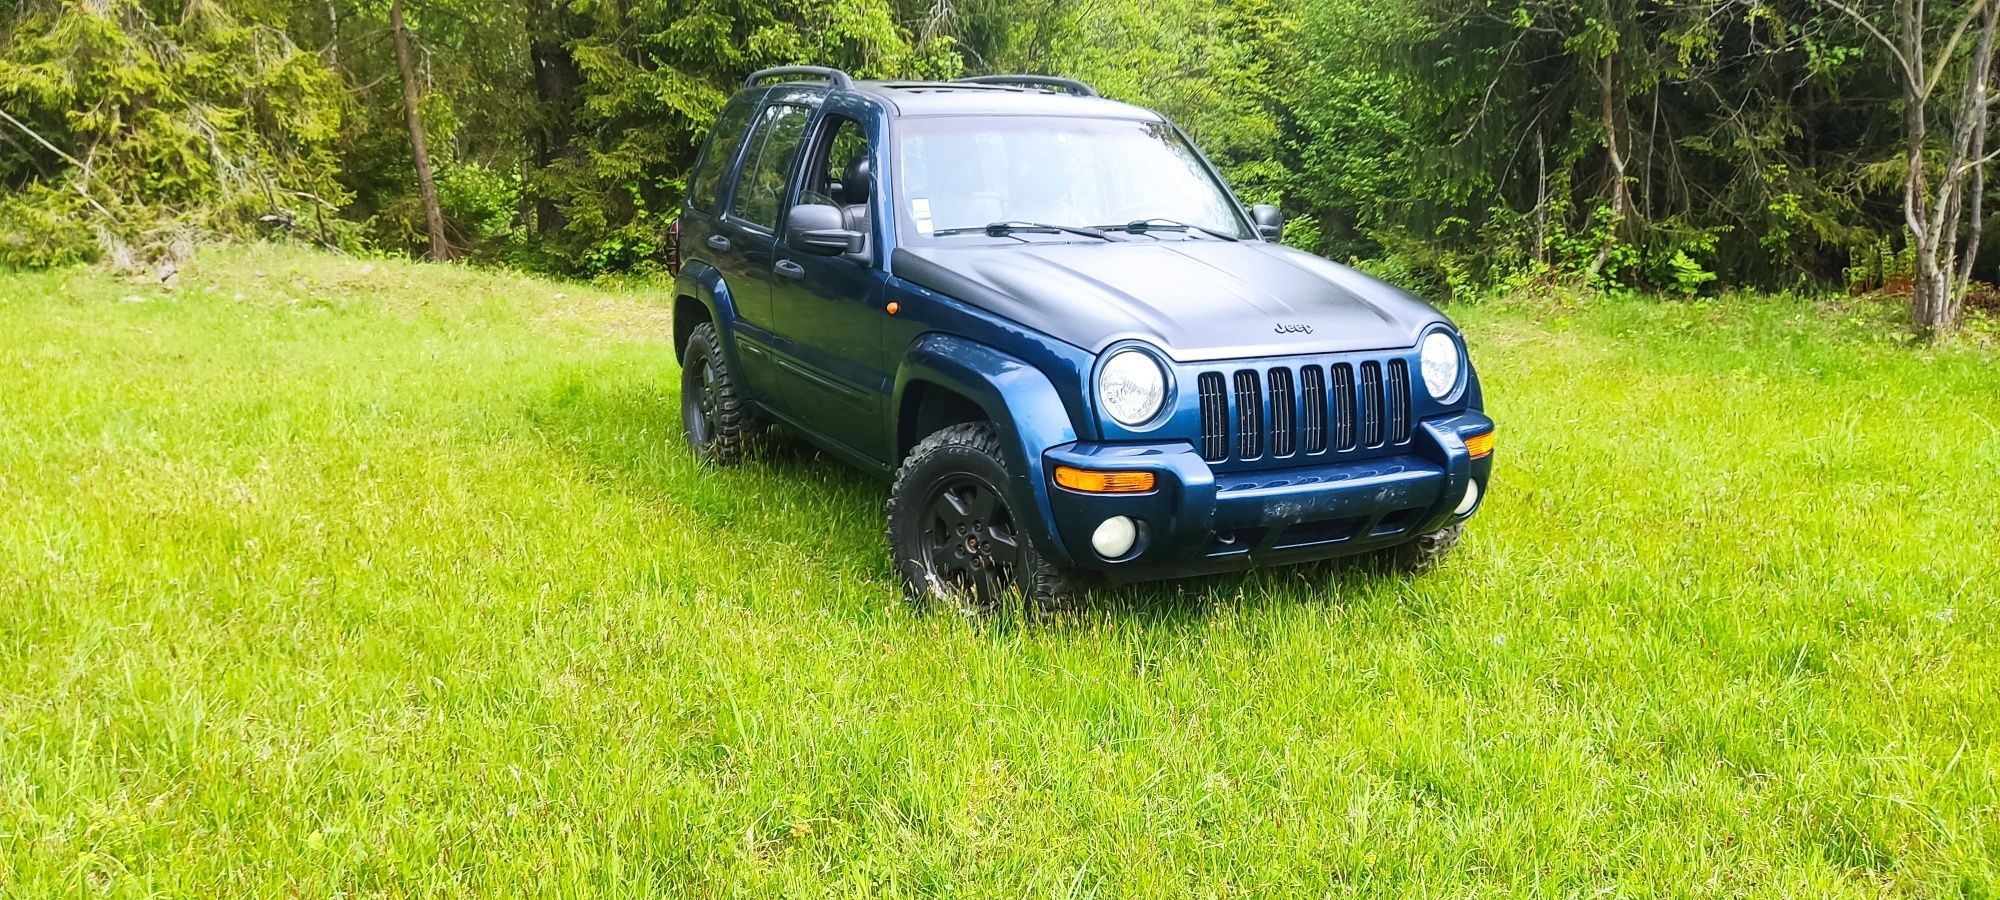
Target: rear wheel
[956, 539]
[712, 413]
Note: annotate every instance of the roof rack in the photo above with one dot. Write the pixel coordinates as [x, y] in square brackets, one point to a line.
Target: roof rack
[834, 77]
[1038, 81]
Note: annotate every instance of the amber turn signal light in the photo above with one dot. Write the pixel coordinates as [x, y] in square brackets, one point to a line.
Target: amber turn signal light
[1479, 445]
[1104, 482]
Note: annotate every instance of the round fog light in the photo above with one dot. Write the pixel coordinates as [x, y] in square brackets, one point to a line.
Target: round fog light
[1114, 537]
[1471, 498]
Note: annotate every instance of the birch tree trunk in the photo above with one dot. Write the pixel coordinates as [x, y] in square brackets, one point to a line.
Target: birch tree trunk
[1621, 193]
[1541, 198]
[440, 249]
[1944, 216]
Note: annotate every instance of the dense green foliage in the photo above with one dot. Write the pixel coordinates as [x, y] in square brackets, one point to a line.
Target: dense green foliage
[1740, 136]
[325, 577]
[1678, 145]
[148, 128]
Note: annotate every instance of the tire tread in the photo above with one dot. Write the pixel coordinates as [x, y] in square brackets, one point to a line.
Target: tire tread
[733, 425]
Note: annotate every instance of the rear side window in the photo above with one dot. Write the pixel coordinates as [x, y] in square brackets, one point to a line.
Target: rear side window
[774, 147]
[718, 152]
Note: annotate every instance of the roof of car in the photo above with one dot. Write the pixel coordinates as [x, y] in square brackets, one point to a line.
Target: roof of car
[945, 98]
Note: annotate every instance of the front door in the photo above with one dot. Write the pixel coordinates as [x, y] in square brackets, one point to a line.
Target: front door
[827, 310]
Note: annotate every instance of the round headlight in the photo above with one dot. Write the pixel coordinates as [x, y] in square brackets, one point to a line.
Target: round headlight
[1440, 362]
[1131, 387]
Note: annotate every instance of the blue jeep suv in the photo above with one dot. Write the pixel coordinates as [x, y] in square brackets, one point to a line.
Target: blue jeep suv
[1045, 318]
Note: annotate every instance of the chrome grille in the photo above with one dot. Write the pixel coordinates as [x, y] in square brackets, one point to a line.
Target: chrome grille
[1335, 407]
[1371, 404]
[1284, 414]
[1398, 395]
[1343, 407]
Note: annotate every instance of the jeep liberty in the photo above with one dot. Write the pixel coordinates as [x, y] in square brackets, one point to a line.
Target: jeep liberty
[1046, 320]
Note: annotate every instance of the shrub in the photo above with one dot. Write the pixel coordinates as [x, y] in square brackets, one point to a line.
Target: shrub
[41, 228]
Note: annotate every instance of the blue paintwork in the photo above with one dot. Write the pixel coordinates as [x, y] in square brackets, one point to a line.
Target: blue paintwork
[1023, 404]
[703, 282]
[1017, 327]
[1193, 502]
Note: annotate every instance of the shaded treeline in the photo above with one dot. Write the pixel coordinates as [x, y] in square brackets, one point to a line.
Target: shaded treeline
[1453, 145]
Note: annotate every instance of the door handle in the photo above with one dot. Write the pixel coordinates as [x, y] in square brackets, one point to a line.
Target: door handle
[718, 243]
[790, 269]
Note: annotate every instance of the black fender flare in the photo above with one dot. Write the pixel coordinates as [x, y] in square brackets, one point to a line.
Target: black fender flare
[704, 283]
[1023, 405]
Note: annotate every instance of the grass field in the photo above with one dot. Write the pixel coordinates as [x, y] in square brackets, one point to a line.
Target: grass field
[327, 577]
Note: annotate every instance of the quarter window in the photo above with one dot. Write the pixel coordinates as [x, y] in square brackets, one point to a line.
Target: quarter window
[775, 144]
[718, 152]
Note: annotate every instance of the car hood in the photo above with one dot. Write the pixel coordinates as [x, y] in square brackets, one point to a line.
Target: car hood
[1195, 299]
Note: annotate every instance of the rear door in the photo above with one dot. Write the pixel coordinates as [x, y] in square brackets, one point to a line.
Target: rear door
[703, 234]
[745, 234]
[712, 168]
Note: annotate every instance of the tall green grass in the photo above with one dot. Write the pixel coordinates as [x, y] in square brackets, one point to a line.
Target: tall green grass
[321, 577]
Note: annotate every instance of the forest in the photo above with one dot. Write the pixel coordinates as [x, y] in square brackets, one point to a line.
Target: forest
[1455, 147]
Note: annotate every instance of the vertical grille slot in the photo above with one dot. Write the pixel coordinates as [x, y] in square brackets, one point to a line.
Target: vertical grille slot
[1371, 404]
[1312, 400]
[1249, 415]
[1214, 417]
[1399, 401]
[1343, 407]
[1284, 414]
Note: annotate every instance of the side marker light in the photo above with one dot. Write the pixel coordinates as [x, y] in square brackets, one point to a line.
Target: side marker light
[1093, 482]
[1480, 445]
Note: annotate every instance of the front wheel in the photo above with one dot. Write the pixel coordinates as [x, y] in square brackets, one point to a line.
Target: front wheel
[1421, 554]
[955, 538]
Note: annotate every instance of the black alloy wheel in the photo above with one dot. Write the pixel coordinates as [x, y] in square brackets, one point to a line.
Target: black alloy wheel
[955, 537]
[970, 546]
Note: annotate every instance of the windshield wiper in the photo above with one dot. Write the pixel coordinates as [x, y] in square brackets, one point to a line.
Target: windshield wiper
[1003, 229]
[1157, 223]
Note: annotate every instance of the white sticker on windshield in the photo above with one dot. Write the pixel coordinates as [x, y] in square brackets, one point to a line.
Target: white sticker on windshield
[920, 210]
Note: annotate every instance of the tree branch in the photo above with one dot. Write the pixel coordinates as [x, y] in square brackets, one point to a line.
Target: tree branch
[81, 191]
[17, 123]
[1909, 71]
[1951, 46]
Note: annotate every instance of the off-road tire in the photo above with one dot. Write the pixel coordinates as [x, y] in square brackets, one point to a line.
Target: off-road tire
[713, 418]
[968, 455]
[1422, 554]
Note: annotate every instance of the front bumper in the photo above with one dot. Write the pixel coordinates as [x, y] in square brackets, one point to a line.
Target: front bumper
[1197, 520]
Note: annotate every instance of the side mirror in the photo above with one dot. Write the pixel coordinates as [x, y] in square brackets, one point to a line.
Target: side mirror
[1270, 222]
[820, 230]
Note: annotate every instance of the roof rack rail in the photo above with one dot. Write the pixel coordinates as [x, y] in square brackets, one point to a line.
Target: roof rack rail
[834, 77]
[1040, 81]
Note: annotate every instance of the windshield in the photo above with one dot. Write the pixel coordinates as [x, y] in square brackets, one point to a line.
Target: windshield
[968, 172]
